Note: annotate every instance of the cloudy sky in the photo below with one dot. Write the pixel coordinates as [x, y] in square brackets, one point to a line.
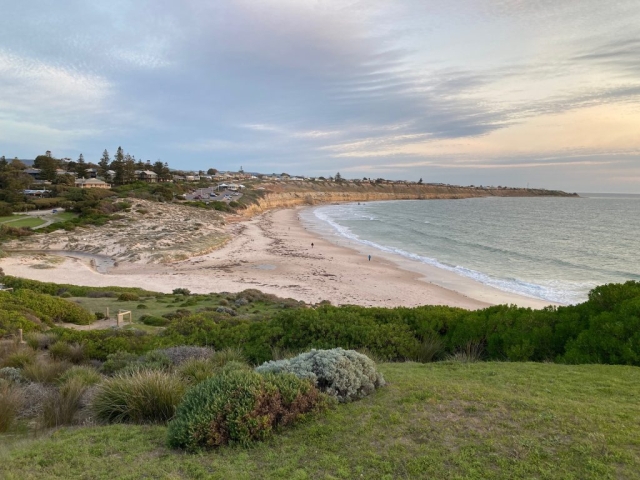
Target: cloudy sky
[545, 92]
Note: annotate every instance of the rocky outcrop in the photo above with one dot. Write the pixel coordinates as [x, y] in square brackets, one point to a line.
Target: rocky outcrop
[286, 197]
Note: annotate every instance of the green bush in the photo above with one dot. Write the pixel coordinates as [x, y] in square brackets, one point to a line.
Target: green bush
[154, 321]
[344, 374]
[118, 361]
[146, 396]
[141, 306]
[128, 297]
[239, 407]
[58, 309]
[181, 291]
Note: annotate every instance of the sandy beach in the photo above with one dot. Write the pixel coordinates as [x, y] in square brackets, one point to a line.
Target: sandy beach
[273, 253]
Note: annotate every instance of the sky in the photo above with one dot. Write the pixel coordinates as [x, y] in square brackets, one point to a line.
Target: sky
[543, 93]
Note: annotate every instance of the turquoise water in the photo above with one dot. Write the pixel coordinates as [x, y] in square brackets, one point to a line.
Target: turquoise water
[555, 249]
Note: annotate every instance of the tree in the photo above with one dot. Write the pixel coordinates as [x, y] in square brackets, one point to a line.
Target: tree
[47, 165]
[81, 167]
[129, 169]
[241, 169]
[103, 164]
[338, 177]
[212, 171]
[420, 181]
[118, 167]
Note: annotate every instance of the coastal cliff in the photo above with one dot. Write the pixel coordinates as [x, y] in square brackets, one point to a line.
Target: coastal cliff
[287, 196]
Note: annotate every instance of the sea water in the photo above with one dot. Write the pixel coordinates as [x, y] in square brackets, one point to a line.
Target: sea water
[551, 248]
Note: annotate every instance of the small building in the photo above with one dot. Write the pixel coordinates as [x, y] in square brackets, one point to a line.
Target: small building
[146, 176]
[91, 183]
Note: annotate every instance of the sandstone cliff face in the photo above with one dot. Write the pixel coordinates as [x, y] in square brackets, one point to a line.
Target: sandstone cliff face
[288, 196]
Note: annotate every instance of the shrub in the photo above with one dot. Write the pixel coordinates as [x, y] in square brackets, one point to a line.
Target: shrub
[60, 406]
[154, 321]
[10, 402]
[58, 309]
[239, 407]
[182, 353]
[12, 375]
[181, 291]
[45, 371]
[118, 361]
[128, 297]
[141, 306]
[146, 396]
[344, 374]
[40, 341]
[100, 316]
[83, 373]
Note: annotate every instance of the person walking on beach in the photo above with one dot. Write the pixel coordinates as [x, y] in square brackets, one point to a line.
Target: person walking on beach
[369, 257]
[311, 244]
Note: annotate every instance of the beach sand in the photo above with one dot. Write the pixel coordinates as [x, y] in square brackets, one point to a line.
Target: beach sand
[273, 253]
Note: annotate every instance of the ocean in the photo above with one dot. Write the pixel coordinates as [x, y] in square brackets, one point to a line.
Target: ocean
[550, 248]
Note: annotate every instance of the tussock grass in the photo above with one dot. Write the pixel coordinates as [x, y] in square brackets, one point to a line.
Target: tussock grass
[17, 356]
[10, 403]
[429, 350]
[61, 406]
[45, 370]
[85, 374]
[469, 353]
[145, 396]
[40, 341]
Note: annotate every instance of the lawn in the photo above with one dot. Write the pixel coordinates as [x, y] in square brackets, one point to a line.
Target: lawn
[11, 218]
[438, 420]
[26, 222]
[170, 303]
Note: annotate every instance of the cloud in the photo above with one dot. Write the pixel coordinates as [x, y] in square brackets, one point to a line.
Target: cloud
[322, 85]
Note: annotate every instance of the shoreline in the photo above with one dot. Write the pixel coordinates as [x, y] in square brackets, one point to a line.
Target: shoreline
[272, 252]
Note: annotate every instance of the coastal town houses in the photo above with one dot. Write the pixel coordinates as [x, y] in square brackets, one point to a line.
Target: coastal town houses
[91, 183]
[147, 176]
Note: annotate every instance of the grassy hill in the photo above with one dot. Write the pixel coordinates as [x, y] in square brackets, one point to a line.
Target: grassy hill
[443, 420]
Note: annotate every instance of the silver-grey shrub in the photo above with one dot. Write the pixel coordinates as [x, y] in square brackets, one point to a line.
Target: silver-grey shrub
[182, 353]
[12, 374]
[344, 374]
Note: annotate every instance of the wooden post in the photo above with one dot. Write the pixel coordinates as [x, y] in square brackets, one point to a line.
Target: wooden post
[107, 317]
[20, 332]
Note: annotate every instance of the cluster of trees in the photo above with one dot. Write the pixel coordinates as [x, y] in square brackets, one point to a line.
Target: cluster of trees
[125, 165]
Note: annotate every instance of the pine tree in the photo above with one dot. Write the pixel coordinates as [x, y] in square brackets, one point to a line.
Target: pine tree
[129, 169]
[104, 163]
[118, 167]
[81, 167]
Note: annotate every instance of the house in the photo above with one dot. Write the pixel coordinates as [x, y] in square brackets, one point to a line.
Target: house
[146, 176]
[91, 183]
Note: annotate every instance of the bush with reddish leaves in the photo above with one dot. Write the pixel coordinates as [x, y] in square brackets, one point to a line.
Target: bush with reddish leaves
[240, 407]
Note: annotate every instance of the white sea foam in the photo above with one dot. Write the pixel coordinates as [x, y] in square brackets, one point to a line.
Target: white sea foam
[557, 291]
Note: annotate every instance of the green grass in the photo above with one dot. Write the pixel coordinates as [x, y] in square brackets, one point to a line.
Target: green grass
[11, 218]
[27, 222]
[169, 304]
[439, 420]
